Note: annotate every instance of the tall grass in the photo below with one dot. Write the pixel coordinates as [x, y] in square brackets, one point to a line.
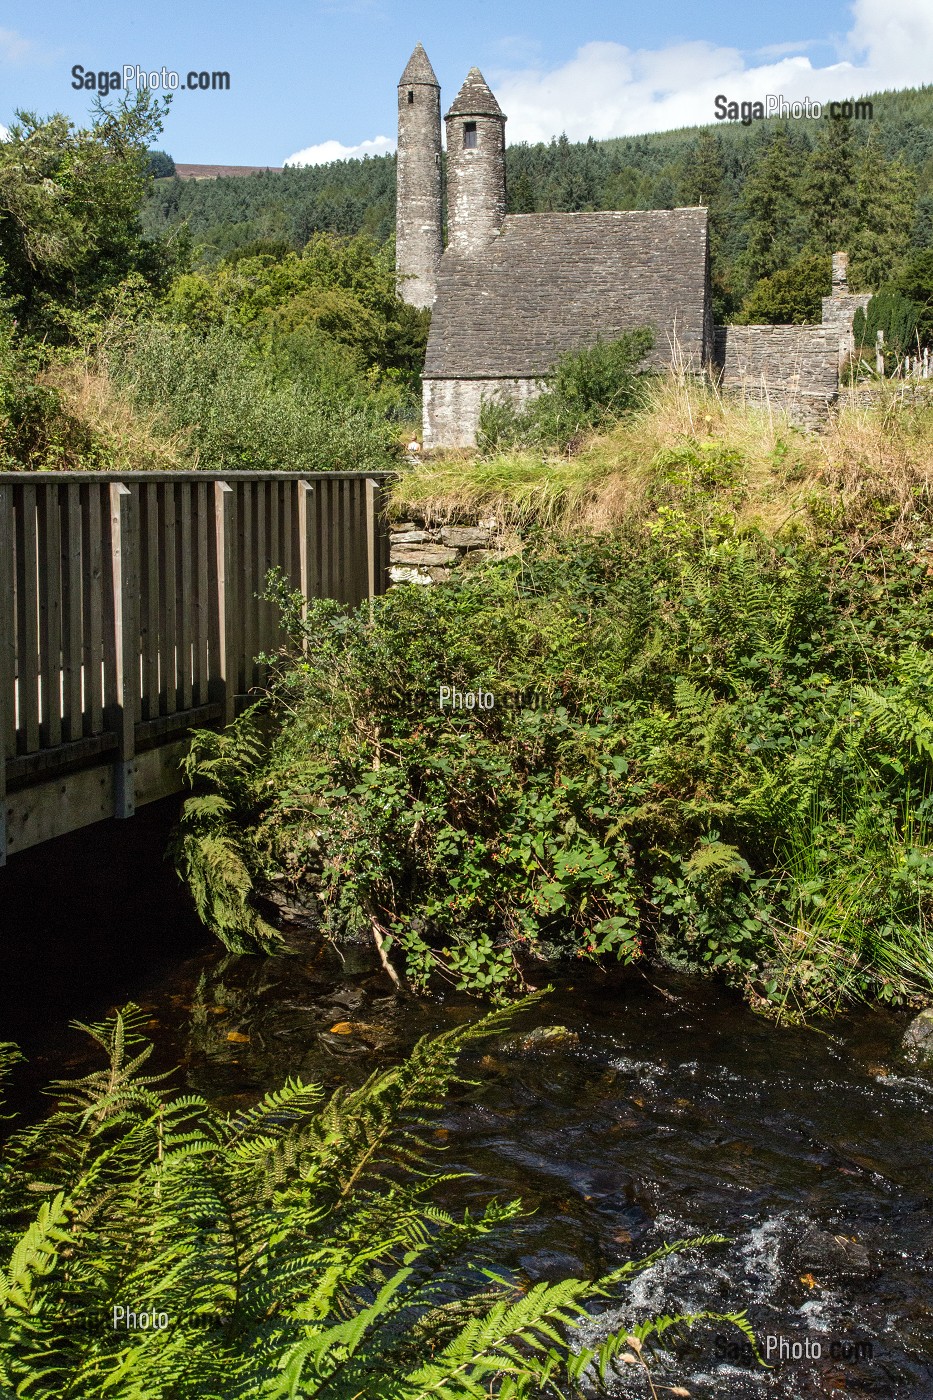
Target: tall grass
[869, 472]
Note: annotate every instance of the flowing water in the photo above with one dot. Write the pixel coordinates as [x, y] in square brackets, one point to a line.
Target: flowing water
[664, 1109]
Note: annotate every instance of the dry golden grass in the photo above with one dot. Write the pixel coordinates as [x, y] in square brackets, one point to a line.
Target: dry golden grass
[871, 469]
[111, 432]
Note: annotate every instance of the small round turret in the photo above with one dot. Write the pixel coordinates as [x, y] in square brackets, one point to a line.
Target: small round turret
[475, 167]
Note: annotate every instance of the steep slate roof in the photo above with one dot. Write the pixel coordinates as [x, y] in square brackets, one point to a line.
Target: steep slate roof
[418, 69]
[475, 98]
[556, 282]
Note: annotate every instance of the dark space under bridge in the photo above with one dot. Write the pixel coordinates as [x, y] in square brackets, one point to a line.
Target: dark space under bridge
[131, 611]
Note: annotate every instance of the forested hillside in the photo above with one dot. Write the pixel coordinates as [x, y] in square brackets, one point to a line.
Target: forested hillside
[774, 190]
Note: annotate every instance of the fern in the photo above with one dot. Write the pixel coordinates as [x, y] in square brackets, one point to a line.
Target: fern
[292, 1249]
[212, 850]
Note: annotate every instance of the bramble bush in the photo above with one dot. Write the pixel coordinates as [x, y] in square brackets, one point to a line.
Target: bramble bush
[710, 748]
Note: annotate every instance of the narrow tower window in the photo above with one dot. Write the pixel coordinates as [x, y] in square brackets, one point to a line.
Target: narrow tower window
[411, 95]
[469, 133]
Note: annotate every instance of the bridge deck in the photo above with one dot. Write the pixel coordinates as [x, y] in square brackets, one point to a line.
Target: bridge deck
[132, 609]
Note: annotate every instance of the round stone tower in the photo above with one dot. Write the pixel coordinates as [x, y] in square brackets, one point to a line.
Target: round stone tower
[418, 218]
[475, 167]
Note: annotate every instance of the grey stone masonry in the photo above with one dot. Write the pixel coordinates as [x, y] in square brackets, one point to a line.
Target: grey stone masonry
[839, 309]
[451, 407]
[422, 553]
[796, 368]
[475, 167]
[419, 212]
[557, 282]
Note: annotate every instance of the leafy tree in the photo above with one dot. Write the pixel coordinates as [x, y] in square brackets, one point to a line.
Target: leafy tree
[160, 165]
[341, 288]
[915, 281]
[522, 195]
[792, 297]
[70, 230]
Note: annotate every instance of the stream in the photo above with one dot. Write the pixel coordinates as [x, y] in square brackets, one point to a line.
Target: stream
[663, 1109]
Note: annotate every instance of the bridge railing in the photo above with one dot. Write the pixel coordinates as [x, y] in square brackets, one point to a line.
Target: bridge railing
[131, 604]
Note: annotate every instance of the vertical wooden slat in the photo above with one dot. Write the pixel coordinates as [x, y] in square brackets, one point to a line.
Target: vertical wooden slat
[148, 528]
[169, 603]
[125, 646]
[223, 680]
[247, 571]
[262, 560]
[200, 611]
[72, 557]
[7, 653]
[276, 551]
[287, 499]
[306, 542]
[345, 538]
[50, 614]
[326, 535]
[93, 610]
[27, 605]
[185, 489]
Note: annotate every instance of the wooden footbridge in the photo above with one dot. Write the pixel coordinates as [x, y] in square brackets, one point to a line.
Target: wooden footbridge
[132, 610]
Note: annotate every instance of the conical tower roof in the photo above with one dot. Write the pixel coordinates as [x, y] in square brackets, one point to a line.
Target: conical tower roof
[475, 98]
[418, 69]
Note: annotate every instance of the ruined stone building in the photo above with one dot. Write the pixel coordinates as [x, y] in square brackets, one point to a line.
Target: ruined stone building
[513, 292]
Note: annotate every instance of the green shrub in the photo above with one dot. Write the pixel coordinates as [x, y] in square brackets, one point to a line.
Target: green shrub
[240, 413]
[679, 714]
[587, 389]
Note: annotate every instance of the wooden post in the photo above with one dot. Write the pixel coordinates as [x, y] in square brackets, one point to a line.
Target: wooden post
[125, 646]
[7, 653]
[305, 542]
[223, 684]
[372, 536]
[879, 353]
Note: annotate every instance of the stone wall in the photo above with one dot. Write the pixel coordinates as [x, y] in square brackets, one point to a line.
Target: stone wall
[451, 406]
[419, 553]
[795, 368]
[839, 313]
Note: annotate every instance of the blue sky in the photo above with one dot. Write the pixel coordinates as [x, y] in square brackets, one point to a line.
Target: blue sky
[318, 78]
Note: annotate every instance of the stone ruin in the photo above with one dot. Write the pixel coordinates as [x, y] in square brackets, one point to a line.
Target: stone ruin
[513, 292]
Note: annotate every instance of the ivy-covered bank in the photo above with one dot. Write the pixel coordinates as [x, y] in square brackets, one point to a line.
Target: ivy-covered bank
[712, 750]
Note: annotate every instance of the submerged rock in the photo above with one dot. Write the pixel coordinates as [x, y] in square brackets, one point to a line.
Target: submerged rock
[824, 1254]
[918, 1038]
[543, 1040]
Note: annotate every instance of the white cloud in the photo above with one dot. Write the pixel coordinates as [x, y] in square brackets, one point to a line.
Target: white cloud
[13, 47]
[607, 89]
[4, 133]
[327, 151]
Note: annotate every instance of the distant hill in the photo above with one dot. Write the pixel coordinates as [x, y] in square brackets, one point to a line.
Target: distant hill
[213, 172]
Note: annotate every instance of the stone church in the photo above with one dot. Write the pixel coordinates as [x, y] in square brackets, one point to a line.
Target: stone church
[510, 293]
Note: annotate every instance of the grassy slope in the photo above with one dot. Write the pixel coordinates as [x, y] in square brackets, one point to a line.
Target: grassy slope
[871, 470]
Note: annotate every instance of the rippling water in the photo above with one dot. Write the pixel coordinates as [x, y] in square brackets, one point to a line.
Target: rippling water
[668, 1110]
